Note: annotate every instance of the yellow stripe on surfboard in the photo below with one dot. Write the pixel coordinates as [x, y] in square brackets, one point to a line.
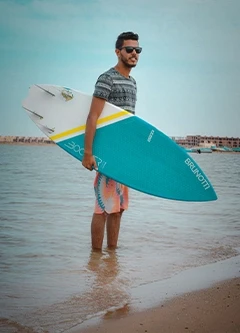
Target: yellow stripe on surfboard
[82, 127]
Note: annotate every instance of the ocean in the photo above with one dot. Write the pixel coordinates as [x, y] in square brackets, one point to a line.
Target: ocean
[50, 279]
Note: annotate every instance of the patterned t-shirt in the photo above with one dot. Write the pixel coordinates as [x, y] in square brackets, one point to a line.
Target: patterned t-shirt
[117, 89]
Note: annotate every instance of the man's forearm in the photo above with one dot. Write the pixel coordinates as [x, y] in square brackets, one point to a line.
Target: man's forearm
[91, 124]
[89, 135]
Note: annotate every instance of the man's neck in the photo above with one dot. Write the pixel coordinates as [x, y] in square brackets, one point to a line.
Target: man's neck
[125, 71]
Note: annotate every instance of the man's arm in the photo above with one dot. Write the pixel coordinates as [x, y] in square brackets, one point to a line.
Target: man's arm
[94, 113]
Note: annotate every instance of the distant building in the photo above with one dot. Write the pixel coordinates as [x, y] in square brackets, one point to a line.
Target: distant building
[207, 141]
[188, 141]
[25, 139]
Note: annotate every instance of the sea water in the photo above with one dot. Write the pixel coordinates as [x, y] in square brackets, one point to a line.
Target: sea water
[51, 281]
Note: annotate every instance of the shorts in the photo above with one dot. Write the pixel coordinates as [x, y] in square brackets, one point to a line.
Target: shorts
[111, 196]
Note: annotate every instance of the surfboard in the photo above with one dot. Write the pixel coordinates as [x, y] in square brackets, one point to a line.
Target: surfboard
[126, 148]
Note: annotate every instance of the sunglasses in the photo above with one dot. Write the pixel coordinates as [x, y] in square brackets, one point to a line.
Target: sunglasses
[130, 49]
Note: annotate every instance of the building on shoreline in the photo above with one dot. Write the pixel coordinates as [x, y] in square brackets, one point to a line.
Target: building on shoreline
[25, 139]
[207, 141]
[190, 141]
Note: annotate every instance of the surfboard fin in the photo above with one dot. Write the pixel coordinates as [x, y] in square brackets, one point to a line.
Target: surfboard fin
[46, 129]
[35, 113]
[47, 91]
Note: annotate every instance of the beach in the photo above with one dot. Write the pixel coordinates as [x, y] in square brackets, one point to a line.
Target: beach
[203, 299]
[52, 282]
[215, 309]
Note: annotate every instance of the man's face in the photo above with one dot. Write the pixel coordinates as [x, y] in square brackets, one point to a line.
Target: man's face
[128, 54]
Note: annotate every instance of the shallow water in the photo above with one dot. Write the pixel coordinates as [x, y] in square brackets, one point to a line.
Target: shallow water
[50, 280]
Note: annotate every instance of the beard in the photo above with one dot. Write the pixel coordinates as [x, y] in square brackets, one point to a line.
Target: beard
[127, 64]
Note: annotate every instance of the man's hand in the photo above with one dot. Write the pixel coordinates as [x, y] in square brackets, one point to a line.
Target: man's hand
[89, 162]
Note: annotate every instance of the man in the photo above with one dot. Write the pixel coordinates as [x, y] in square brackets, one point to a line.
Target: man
[117, 87]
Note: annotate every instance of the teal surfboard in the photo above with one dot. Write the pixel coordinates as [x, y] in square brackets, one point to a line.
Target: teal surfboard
[127, 148]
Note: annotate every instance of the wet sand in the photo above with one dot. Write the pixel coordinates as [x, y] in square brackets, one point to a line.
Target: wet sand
[215, 309]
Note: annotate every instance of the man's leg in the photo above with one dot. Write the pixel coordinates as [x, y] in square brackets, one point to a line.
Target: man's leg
[97, 230]
[113, 227]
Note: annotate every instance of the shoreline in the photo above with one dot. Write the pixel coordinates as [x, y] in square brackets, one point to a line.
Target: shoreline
[54, 144]
[159, 307]
[29, 143]
[215, 309]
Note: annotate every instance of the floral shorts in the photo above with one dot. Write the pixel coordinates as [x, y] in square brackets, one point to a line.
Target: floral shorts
[111, 196]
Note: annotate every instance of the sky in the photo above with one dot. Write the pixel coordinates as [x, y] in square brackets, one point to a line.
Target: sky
[188, 74]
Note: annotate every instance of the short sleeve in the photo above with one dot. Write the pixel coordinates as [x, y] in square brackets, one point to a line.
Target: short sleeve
[103, 86]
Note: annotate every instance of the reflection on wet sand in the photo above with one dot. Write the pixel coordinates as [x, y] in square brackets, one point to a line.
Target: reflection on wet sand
[108, 288]
[105, 297]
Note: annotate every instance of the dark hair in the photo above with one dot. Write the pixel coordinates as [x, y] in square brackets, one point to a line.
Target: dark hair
[125, 36]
